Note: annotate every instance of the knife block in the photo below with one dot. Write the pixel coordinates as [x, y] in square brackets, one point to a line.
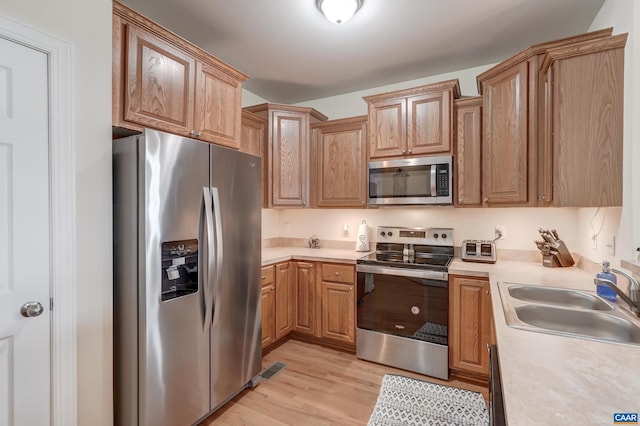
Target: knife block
[550, 261]
[561, 257]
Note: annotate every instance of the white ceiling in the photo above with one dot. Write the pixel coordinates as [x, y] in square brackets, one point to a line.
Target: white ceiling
[293, 54]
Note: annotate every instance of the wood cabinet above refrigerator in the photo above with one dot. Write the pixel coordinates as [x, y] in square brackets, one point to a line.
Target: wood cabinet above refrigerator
[162, 81]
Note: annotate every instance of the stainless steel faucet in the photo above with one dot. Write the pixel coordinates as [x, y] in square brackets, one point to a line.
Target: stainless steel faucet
[634, 290]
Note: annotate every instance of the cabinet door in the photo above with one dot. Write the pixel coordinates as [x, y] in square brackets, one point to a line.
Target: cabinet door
[290, 140]
[218, 106]
[468, 153]
[304, 297]
[338, 311]
[159, 88]
[585, 110]
[388, 128]
[429, 123]
[268, 315]
[341, 164]
[471, 324]
[253, 140]
[505, 153]
[284, 296]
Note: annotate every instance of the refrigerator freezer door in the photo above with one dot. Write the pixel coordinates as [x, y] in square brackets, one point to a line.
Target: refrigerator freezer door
[173, 339]
[236, 332]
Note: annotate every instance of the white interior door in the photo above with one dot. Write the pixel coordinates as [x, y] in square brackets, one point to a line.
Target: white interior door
[24, 236]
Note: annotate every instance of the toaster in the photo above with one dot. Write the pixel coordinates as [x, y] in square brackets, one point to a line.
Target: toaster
[479, 251]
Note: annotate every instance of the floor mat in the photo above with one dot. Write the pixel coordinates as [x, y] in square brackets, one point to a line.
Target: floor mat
[406, 401]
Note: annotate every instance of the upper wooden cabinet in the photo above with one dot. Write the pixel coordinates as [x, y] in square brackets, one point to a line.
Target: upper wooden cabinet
[339, 163]
[162, 81]
[508, 154]
[467, 152]
[513, 112]
[581, 164]
[288, 152]
[253, 140]
[412, 122]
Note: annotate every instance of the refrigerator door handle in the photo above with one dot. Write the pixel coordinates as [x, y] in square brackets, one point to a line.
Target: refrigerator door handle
[218, 254]
[206, 287]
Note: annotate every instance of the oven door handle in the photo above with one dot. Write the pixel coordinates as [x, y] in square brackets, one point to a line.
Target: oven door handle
[402, 272]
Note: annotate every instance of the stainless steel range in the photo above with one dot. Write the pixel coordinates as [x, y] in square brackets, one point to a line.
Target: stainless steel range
[403, 300]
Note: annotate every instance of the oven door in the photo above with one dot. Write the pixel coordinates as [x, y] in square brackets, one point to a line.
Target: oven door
[410, 303]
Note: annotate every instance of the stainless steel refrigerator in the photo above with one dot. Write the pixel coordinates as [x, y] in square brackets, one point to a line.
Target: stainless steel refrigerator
[187, 257]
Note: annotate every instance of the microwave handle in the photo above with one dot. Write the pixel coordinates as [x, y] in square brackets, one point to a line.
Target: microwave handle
[432, 169]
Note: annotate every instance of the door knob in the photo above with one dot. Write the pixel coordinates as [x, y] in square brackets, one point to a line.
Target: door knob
[31, 309]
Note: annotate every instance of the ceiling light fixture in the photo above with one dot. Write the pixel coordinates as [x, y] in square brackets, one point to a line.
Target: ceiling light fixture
[339, 11]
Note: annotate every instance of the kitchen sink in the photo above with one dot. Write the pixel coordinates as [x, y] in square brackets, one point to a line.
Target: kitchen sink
[559, 296]
[567, 312]
[594, 324]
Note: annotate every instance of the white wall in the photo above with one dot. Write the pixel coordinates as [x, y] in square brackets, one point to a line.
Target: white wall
[249, 99]
[87, 26]
[352, 104]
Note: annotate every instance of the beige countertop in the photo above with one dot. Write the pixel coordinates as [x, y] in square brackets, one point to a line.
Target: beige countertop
[556, 380]
[280, 254]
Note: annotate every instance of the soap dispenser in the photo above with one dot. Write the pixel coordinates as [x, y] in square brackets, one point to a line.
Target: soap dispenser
[603, 290]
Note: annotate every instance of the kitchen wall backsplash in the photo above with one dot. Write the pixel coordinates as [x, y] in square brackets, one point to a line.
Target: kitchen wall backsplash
[572, 224]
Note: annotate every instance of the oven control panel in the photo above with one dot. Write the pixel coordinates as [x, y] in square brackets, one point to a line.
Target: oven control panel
[426, 236]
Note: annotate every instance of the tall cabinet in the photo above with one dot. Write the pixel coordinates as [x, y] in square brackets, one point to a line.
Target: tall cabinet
[288, 152]
[468, 152]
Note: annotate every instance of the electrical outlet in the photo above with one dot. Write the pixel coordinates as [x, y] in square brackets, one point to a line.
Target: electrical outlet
[501, 230]
[610, 244]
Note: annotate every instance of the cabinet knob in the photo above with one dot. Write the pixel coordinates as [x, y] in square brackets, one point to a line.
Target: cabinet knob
[192, 133]
[542, 197]
[404, 152]
[304, 203]
[488, 292]
[409, 152]
[485, 199]
[199, 134]
[337, 274]
[460, 199]
[264, 278]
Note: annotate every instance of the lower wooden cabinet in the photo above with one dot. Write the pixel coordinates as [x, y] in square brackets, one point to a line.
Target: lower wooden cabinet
[338, 302]
[284, 286]
[268, 306]
[304, 298]
[470, 325]
[316, 301]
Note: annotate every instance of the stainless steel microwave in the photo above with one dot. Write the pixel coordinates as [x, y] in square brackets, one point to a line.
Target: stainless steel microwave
[424, 180]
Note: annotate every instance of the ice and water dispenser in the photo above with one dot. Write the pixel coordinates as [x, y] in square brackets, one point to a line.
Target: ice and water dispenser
[179, 269]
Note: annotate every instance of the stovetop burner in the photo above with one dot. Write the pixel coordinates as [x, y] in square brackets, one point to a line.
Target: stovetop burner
[415, 248]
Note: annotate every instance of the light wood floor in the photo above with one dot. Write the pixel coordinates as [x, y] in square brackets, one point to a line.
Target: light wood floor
[319, 386]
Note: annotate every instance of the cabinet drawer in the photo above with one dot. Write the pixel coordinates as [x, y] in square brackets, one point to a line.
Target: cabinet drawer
[268, 274]
[338, 273]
